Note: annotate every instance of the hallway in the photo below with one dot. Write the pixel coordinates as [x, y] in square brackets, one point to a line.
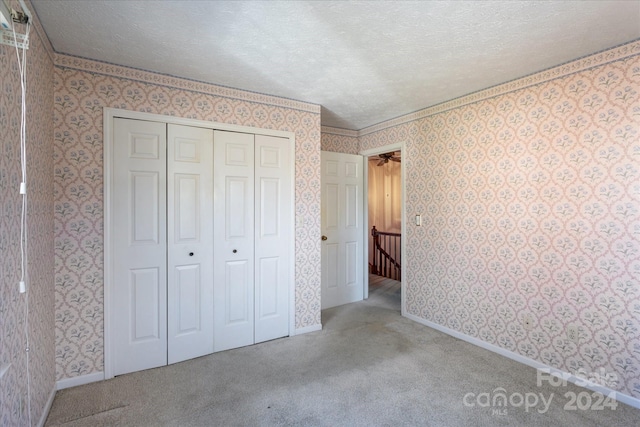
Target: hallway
[385, 291]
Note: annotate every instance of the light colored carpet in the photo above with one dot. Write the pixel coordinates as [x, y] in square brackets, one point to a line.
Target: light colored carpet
[368, 367]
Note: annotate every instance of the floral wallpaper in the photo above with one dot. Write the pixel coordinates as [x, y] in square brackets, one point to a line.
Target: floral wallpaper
[339, 140]
[82, 89]
[530, 200]
[14, 394]
[529, 193]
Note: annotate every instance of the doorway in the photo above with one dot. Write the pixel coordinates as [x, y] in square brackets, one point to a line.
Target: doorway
[385, 217]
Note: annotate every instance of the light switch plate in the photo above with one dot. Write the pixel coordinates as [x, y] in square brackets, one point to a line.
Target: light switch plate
[4, 369]
[6, 21]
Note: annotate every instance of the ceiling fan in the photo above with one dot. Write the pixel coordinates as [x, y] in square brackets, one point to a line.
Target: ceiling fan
[385, 157]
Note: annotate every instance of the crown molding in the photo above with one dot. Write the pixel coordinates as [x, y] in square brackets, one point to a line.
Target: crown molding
[120, 71]
[572, 67]
[563, 70]
[339, 131]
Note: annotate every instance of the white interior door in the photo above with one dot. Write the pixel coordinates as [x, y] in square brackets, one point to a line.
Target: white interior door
[234, 240]
[272, 236]
[185, 281]
[139, 296]
[342, 228]
[190, 242]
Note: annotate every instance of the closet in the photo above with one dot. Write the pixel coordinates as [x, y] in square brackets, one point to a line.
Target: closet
[251, 235]
[199, 241]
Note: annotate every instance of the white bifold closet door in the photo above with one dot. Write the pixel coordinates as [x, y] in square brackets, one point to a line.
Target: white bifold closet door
[252, 177]
[162, 291]
[189, 242]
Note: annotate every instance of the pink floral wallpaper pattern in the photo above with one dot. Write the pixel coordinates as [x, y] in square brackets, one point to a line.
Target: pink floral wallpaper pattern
[531, 205]
[531, 197]
[339, 140]
[14, 384]
[82, 89]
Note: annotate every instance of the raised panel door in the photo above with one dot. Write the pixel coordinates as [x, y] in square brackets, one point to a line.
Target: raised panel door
[139, 290]
[233, 240]
[190, 242]
[342, 225]
[272, 236]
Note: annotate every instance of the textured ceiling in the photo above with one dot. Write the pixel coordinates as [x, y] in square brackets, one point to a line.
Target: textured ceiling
[363, 61]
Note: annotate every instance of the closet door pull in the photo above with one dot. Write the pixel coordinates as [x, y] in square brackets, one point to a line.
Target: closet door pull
[235, 251]
[190, 253]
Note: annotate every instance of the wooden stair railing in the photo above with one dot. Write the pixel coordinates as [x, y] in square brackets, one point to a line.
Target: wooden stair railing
[386, 254]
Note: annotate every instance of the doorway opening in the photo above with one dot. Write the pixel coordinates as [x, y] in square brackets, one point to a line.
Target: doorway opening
[385, 225]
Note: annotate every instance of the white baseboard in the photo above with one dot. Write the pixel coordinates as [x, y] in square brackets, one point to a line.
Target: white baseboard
[47, 407]
[620, 397]
[83, 379]
[308, 329]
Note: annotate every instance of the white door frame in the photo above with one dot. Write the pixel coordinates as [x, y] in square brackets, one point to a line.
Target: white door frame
[108, 115]
[400, 146]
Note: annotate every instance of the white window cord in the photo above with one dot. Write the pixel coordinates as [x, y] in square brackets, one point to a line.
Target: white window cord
[22, 69]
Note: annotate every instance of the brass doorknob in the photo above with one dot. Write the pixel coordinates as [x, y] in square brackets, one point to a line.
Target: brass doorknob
[324, 237]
